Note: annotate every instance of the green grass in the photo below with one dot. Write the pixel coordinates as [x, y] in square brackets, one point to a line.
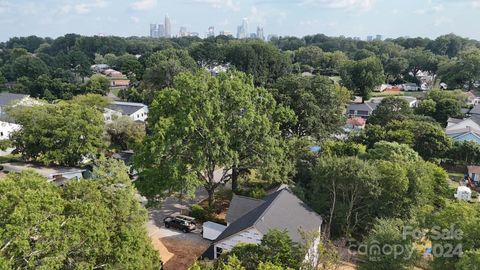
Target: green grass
[115, 91]
[9, 158]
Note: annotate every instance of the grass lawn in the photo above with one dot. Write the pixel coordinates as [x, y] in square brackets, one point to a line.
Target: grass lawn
[115, 91]
[9, 158]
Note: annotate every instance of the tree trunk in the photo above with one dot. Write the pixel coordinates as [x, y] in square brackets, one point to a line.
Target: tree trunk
[211, 198]
[235, 173]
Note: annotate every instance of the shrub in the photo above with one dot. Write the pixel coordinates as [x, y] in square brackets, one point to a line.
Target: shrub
[199, 212]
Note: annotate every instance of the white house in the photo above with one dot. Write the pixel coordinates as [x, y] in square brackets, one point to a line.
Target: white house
[410, 87]
[6, 129]
[136, 111]
[281, 210]
[7, 125]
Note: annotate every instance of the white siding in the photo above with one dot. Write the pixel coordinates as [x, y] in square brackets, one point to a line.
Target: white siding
[6, 129]
[109, 115]
[249, 236]
[140, 115]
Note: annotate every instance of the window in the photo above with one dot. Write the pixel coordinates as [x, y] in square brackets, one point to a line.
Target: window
[1, 134]
[218, 250]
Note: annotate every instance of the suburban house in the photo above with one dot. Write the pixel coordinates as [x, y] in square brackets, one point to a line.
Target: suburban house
[410, 87]
[136, 111]
[7, 125]
[461, 130]
[99, 68]
[355, 123]
[117, 79]
[474, 173]
[55, 174]
[249, 219]
[365, 110]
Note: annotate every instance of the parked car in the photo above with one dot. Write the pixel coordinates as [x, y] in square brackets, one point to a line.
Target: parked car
[180, 222]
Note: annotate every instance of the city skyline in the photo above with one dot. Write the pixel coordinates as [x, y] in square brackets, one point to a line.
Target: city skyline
[352, 18]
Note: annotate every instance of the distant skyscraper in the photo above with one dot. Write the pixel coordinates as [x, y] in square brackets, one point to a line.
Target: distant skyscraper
[260, 33]
[245, 27]
[211, 32]
[161, 30]
[168, 27]
[369, 38]
[183, 31]
[379, 37]
[153, 31]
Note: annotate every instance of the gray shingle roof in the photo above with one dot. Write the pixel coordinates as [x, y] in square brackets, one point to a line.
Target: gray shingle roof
[7, 98]
[475, 110]
[239, 206]
[281, 210]
[367, 106]
[126, 108]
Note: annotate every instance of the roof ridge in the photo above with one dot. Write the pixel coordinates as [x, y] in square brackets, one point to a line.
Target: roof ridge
[270, 205]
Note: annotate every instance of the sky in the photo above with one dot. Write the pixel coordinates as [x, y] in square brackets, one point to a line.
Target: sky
[351, 18]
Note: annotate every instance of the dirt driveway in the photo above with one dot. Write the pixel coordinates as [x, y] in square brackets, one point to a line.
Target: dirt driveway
[178, 250]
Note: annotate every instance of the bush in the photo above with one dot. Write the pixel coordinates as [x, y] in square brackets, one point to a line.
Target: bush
[199, 212]
[257, 193]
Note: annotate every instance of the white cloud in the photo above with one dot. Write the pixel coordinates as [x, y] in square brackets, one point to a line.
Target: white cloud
[4, 6]
[135, 19]
[144, 4]
[476, 4]
[342, 4]
[227, 4]
[84, 8]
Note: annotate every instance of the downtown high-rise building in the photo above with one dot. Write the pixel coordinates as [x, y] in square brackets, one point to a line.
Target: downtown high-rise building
[211, 32]
[183, 32]
[153, 31]
[242, 30]
[260, 33]
[168, 27]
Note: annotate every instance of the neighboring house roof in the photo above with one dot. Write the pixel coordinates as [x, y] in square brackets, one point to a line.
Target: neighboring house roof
[454, 120]
[473, 169]
[125, 156]
[356, 121]
[475, 109]
[126, 108]
[47, 172]
[7, 98]
[281, 210]
[367, 106]
[239, 206]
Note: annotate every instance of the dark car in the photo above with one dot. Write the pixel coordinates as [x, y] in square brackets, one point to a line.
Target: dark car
[180, 222]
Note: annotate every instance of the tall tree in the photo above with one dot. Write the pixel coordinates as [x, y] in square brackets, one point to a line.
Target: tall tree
[61, 134]
[389, 109]
[205, 124]
[318, 103]
[86, 224]
[363, 76]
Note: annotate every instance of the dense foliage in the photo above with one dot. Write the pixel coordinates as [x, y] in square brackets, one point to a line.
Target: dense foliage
[86, 224]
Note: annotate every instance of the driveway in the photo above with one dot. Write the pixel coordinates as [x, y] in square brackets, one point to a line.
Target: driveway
[178, 250]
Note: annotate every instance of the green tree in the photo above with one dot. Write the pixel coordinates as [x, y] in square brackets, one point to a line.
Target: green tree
[389, 109]
[420, 59]
[426, 107]
[261, 60]
[86, 224]
[98, 84]
[363, 76]
[61, 134]
[206, 124]
[28, 66]
[466, 153]
[388, 233]
[470, 260]
[393, 151]
[163, 66]
[318, 103]
[124, 133]
[447, 108]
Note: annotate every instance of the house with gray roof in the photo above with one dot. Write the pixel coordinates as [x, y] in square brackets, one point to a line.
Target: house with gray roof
[7, 124]
[252, 219]
[363, 110]
[136, 111]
